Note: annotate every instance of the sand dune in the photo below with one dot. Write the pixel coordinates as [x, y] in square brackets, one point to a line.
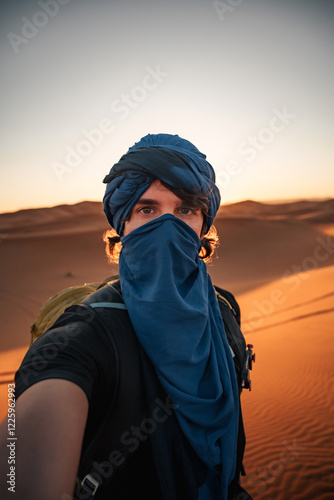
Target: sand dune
[261, 242]
[81, 217]
[253, 251]
[40, 258]
[314, 211]
[279, 262]
[289, 413]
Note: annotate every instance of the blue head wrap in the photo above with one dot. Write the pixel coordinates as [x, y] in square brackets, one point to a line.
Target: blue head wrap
[166, 157]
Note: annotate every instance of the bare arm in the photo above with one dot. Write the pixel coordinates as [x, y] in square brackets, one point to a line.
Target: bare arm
[50, 422]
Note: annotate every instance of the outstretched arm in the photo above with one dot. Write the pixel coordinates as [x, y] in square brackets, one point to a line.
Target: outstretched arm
[51, 417]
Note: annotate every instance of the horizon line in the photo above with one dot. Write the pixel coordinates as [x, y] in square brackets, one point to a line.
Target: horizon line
[276, 201]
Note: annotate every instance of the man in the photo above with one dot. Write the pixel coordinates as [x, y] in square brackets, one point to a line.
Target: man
[167, 382]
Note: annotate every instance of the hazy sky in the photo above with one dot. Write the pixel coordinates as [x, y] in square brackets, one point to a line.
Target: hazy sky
[249, 82]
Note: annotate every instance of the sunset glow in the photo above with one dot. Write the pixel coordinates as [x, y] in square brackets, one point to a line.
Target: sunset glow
[249, 84]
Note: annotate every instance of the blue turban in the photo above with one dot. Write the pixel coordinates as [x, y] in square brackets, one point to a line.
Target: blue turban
[169, 158]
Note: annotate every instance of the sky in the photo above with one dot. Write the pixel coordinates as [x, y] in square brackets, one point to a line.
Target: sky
[249, 82]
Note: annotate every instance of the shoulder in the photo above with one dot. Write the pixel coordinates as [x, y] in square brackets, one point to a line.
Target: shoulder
[75, 348]
[108, 294]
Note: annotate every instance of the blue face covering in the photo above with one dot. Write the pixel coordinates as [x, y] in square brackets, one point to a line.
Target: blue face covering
[175, 314]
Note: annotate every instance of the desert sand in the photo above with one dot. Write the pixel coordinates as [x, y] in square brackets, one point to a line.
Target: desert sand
[278, 260]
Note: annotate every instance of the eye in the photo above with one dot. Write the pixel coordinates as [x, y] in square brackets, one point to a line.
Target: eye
[187, 210]
[146, 210]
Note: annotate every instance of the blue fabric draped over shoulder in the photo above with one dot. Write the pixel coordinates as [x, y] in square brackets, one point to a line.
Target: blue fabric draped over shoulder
[169, 158]
[175, 314]
[172, 303]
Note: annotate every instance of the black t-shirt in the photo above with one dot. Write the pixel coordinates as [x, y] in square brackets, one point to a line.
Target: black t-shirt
[77, 349]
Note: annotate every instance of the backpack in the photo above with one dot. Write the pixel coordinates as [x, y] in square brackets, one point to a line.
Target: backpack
[56, 305]
[98, 467]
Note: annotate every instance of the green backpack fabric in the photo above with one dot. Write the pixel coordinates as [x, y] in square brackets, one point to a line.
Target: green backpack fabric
[56, 305]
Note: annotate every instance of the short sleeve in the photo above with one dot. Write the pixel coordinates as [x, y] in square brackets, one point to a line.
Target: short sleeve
[74, 349]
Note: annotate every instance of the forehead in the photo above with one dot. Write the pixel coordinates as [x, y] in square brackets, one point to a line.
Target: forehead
[159, 193]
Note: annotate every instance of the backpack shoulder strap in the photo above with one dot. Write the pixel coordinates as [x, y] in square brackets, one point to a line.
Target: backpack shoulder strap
[230, 300]
[230, 312]
[108, 451]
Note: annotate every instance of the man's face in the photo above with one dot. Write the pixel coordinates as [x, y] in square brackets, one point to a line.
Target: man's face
[157, 201]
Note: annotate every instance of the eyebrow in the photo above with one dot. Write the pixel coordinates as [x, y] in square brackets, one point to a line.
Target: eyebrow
[147, 201]
[150, 201]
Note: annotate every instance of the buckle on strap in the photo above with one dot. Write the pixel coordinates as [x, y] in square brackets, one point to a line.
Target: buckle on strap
[89, 484]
